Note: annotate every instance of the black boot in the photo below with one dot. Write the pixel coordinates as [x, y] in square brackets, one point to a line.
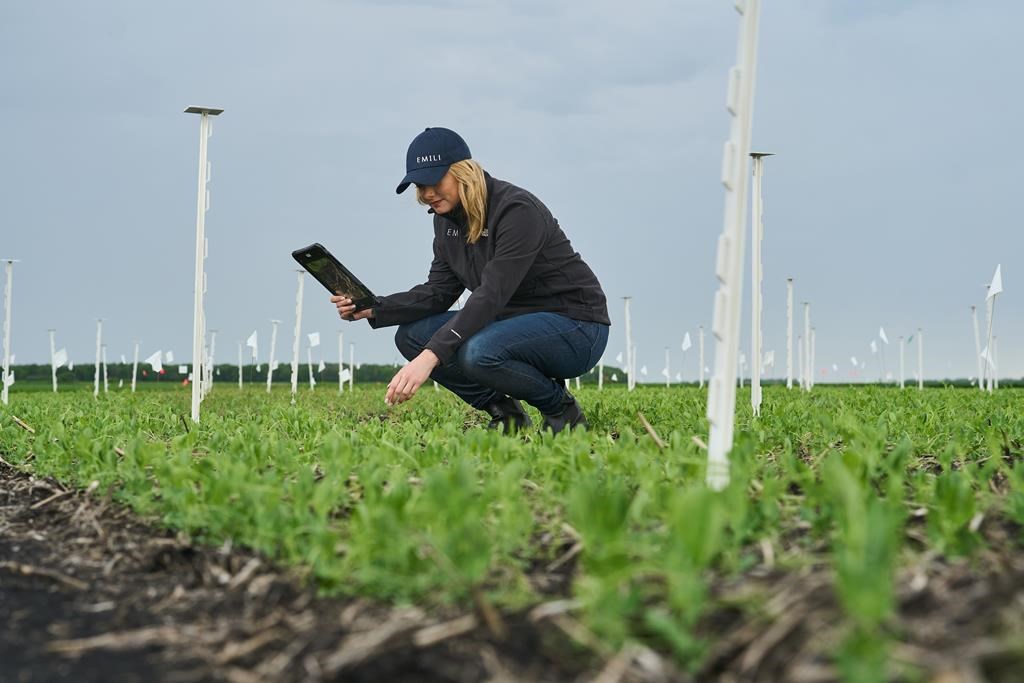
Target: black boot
[507, 414]
[570, 416]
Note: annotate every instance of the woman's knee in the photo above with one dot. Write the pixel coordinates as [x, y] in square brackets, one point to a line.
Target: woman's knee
[476, 357]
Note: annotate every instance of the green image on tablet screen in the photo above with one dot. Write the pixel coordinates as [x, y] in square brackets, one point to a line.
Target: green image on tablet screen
[333, 278]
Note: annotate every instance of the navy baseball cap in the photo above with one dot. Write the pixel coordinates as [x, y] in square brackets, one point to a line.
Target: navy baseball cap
[429, 156]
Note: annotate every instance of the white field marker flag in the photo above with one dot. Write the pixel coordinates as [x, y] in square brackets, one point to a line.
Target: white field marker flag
[686, 342]
[643, 370]
[997, 283]
[60, 358]
[994, 289]
[169, 357]
[614, 377]
[252, 343]
[618, 358]
[314, 339]
[874, 346]
[154, 361]
[853, 360]
[182, 369]
[322, 366]
[881, 335]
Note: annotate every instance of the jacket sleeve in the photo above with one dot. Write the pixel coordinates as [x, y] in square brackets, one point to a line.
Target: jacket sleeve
[436, 295]
[519, 237]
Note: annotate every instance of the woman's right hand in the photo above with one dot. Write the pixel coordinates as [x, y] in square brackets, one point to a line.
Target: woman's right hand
[347, 309]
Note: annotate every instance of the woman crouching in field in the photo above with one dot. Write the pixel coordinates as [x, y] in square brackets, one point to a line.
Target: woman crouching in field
[536, 315]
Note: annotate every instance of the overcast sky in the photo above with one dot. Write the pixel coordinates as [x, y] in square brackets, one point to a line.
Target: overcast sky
[893, 195]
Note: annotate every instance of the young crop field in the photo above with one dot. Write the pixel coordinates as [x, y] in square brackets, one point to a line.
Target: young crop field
[868, 534]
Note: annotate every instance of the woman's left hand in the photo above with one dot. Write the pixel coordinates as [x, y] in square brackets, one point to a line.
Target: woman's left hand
[411, 377]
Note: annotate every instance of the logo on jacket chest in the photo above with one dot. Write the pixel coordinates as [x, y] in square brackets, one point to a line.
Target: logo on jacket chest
[455, 232]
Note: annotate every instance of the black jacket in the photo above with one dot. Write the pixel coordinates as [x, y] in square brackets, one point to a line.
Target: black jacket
[522, 263]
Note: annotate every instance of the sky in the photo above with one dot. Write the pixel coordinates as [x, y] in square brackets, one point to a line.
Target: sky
[890, 200]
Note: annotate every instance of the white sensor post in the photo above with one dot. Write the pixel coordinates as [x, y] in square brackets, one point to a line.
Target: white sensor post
[202, 206]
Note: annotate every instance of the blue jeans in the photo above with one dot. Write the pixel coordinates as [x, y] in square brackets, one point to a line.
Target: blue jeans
[526, 357]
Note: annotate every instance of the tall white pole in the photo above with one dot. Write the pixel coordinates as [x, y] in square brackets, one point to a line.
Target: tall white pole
[99, 344]
[239, 365]
[901, 361]
[600, 375]
[800, 360]
[309, 366]
[807, 346]
[920, 359]
[813, 355]
[789, 333]
[977, 348]
[273, 346]
[351, 365]
[341, 361]
[990, 365]
[106, 382]
[721, 409]
[298, 331]
[202, 204]
[5, 377]
[995, 362]
[53, 358]
[210, 363]
[135, 364]
[630, 380]
[700, 335]
[987, 367]
[756, 296]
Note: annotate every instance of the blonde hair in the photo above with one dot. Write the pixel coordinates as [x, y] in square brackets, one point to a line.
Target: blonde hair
[472, 195]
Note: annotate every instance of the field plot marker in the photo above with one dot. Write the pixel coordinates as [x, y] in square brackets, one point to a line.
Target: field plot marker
[208, 380]
[920, 359]
[995, 362]
[813, 359]
[700, 334]
[6, 379]
[756, 297]
[901, 361]
[977, 347]
[630, 351]
[135, 364]
[298, 331]
[994, 289]
[729, 265]
[53, 358]
[99, 344]
[805, 371]
[341, 361]
[106, 381]
[789, 333]
[202, 206]
[273, 347]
